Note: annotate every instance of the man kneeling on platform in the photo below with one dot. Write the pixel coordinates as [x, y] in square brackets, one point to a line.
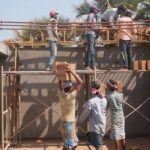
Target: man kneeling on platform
[67, 99]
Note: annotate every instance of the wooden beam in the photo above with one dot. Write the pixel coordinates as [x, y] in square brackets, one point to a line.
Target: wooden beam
[2, 107]
[77, 71]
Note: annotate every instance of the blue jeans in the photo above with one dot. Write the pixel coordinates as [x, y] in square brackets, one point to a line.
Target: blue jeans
[90, 54]
[53, 52]
[126, 52]
[68, 134]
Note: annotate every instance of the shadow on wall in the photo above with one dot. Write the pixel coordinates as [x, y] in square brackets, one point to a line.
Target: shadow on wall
[106, 58]
[44, 88]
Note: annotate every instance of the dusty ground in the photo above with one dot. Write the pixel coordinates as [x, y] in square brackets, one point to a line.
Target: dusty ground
[142, 142]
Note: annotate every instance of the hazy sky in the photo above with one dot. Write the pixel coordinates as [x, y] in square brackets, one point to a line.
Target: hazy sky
[26, 10]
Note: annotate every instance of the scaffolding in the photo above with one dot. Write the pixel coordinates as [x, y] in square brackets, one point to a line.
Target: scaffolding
[10, 114]
[12, 121]
[71, 34]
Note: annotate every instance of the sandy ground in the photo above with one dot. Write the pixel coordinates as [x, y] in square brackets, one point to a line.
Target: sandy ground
[136, 143]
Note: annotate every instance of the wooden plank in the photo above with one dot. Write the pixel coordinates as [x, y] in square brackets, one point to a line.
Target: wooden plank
[77, 71]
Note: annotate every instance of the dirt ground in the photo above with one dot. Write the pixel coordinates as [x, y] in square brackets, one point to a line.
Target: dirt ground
[133, 143]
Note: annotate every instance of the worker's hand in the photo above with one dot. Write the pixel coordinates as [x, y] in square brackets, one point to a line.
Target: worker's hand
[67, 68]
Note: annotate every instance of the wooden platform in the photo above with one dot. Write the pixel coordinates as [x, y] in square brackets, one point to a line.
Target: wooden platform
[142, 142]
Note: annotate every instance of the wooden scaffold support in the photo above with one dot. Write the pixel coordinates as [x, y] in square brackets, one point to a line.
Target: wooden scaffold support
[5, 114]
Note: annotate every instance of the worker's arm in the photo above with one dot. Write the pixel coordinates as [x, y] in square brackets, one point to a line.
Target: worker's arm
[134, 28]
[54, 28]
[78, 79]
[85, 113]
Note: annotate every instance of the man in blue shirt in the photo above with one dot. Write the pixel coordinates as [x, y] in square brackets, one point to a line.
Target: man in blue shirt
[95, 112]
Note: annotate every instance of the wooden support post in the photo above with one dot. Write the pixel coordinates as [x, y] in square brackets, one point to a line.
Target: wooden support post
[2, 106]
[15, 98]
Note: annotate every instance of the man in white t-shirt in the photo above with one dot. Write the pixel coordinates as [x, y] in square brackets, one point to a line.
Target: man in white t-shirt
[53, 38]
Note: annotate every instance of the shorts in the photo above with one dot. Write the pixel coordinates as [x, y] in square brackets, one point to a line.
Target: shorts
[117, 133]
[95, 139]
[68, 134]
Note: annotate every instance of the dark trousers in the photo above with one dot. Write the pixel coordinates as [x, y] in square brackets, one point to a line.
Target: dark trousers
[90, 54]
[126, 52]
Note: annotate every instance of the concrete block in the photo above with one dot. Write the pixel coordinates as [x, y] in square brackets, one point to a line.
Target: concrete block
[148, 64]
[136, 65]
[142, 65]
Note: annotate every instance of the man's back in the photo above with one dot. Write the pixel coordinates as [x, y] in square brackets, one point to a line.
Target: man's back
[98, 114]
[109, 15]
[95, 111]
[115, 102]
[67, 105]
[126, 28]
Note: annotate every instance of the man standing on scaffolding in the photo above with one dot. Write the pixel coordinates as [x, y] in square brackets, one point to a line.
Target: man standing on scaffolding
[90, 37]
[126, 29]
[53, 38]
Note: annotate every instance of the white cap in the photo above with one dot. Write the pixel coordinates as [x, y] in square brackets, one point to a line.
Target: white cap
[67, 84]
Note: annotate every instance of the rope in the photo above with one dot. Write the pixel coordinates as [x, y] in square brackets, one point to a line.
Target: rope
[36, 99]
[50, 108]
[136, 109]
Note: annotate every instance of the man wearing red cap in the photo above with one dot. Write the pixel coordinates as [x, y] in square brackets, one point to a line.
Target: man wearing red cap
[53, 38]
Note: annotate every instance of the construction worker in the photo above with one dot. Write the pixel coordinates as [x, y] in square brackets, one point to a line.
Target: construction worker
[90, 35]
[67, 98]
[115, 103]
[111, 15]
[53, 38]
[95, 112]
[108, 20]
[126, 30]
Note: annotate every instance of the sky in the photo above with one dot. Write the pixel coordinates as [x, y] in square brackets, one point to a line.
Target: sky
[27, 10]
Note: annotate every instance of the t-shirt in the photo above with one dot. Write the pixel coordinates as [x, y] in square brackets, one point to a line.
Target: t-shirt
[67, 105]
[91, 22]
[110, 15]
[126, 28]
[115, 103]
[52, 26]
[95, 111]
